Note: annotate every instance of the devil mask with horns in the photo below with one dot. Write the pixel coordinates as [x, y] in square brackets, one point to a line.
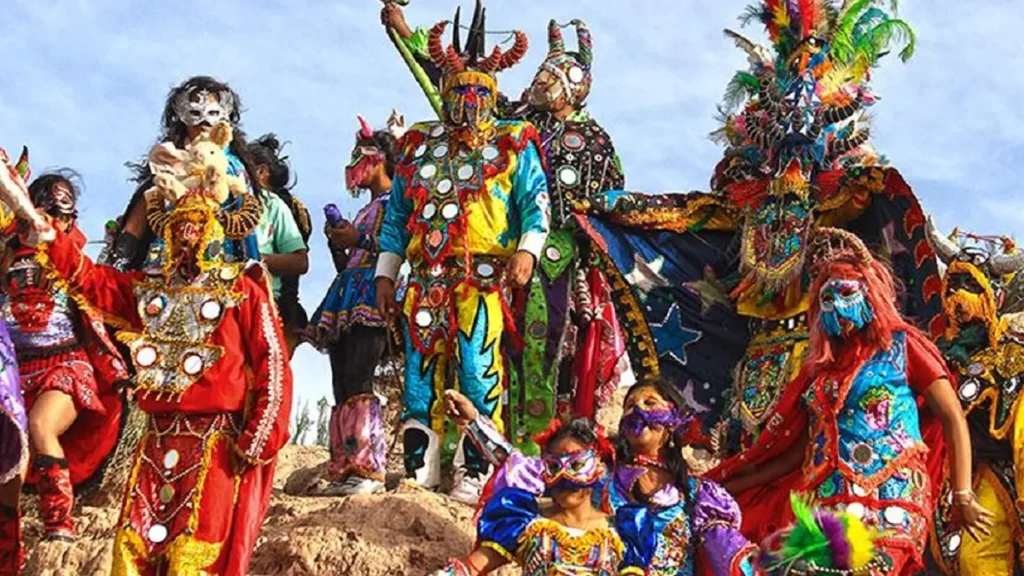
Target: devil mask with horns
[564, 77]
[373, 150]
[972, 288]
[469, 87]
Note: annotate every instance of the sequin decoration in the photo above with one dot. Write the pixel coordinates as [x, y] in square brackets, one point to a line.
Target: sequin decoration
[157, 533]
[172, 350]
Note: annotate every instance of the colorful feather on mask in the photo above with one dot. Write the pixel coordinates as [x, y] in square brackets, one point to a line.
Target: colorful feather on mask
[22, 166]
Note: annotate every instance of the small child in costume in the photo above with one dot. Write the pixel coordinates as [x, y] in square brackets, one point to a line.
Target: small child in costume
[566, 534]
[348, 326]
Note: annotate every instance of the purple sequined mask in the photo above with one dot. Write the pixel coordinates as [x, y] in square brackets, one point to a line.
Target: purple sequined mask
[638, 418]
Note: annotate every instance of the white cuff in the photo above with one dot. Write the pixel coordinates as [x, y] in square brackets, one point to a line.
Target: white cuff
[533, 242]
[388, 265]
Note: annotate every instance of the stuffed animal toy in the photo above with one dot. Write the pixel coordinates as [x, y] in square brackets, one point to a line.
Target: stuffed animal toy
[201, 165]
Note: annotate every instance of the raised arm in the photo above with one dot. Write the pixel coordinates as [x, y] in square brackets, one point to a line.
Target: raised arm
[105, 289]
[266, 423]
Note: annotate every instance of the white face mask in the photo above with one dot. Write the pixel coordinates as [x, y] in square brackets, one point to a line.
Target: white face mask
[196, 107]
[545, 91]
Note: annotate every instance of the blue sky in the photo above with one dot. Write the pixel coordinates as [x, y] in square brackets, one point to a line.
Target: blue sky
[85, 81]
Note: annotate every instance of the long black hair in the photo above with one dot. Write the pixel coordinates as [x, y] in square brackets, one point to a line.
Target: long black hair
[581, 429]
[673, 452]
[173, 130]
[266, 151]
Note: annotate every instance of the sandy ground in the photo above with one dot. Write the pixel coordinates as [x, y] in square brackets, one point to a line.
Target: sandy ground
[407, 531]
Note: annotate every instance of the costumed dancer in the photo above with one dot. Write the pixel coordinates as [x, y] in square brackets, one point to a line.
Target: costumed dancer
[671, 522]
[985, 350]
[347, 325]
[847, 434]
[581, 161]
[212, 371]
[798, 156]
[71, 372]
[14, 448]
[192, 108]
[283, 233]
[14, 453]
[567, 535]
[469, 211]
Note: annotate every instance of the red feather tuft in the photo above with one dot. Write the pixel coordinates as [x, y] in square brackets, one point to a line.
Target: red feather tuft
[808, 15]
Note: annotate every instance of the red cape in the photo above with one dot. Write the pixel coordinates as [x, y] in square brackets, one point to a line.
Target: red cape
[766, 507]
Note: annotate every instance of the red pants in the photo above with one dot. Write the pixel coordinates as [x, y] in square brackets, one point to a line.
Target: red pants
[179, 513]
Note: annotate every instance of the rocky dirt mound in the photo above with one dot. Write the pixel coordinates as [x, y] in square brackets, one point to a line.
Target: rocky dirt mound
[405, 532]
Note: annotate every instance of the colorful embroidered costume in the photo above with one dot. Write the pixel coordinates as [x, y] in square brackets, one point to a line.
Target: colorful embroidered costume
[13, 452]
[211, 374]
[349, 328]
[61, 348]
[511, 524]
[698, 525]
[678, 531]
[797, 157]
[468, 193]
[986, 352]
[866, 453]
[581, 161]
[510, 521]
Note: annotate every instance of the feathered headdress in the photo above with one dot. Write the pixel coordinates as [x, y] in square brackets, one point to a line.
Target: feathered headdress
[454, 59]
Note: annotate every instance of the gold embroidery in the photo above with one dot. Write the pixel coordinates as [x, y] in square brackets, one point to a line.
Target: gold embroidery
[71, 288]
[190, 556]
[575, 550]
[172, 353]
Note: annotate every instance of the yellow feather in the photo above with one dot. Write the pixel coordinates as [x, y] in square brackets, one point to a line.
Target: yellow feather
[861, 539]
[781, 16]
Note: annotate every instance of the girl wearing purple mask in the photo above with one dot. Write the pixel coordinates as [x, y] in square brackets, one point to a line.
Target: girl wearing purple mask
[541, 513]
[669, 521]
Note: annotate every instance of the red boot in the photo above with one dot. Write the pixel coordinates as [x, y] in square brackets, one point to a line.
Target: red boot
[11, 554]
[56, 497]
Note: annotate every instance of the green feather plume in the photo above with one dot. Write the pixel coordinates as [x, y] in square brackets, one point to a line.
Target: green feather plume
[740, 87]
[864, 32]
[806, 541]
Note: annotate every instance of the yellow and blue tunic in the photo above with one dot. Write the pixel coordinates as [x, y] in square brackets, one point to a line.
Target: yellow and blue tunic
[457, 215]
